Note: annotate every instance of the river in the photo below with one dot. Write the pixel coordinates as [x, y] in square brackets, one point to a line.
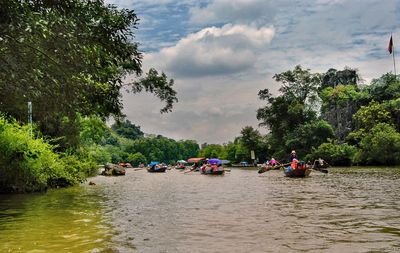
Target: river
[347, 210]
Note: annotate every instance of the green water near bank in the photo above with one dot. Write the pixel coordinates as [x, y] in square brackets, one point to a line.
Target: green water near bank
[346, 210]
[63, 220]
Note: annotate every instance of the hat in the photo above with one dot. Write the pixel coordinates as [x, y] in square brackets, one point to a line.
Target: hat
[293, 151]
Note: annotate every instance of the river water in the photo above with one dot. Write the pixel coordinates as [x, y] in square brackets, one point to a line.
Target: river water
[346, 210]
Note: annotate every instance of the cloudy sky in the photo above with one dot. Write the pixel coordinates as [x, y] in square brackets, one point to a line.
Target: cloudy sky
[220, 53]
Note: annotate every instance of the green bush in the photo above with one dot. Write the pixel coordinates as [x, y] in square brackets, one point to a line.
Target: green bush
[380, 145]
[29, 165]
[136, 159]
[334, 154]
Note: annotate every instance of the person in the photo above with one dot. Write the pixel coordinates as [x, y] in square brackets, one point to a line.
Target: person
[293, 155]
[293, 164]
[272, 162]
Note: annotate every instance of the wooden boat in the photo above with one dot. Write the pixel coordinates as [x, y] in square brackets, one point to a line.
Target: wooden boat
[302, 170]
[213, 167]
[156, 169]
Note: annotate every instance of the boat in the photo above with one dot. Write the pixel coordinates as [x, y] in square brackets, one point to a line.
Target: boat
[155, 170]
[181, 165]
[213, 167]
[197, 162]
[297, 169]
[268, 167]
[155, 167]
[125, 165]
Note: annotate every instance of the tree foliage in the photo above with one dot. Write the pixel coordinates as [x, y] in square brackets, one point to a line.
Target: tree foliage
[69, 57]
[127, 129]
[380, 145]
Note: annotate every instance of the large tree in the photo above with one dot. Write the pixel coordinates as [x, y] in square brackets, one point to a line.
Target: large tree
[69, 57]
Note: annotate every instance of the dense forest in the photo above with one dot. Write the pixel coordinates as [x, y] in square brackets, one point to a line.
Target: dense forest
[69, 59]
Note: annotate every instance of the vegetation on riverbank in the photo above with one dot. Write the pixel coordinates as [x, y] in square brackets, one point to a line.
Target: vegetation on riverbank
[327, 115]
[70, 60]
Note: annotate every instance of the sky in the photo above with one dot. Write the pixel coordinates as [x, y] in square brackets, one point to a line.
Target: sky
[221, 53]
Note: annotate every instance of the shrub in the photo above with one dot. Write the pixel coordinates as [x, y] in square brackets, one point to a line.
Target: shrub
[334, 153]
[380, 145]
[28, 164]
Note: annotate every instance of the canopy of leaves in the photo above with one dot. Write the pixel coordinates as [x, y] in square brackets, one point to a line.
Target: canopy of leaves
[380, 145]
[333, 78]
[369, 116]
[127, 129]
[69, 57]
[308, 136]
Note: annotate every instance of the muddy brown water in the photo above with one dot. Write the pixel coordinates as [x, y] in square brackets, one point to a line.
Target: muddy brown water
[347, 210]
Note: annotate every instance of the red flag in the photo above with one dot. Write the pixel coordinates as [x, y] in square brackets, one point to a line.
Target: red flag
[390, 47]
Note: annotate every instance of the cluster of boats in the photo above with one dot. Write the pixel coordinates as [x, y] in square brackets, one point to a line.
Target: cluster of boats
[214, 167]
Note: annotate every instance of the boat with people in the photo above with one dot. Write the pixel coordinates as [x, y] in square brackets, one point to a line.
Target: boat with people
[212, 167]
[181, 165]
[155, 167]
[297, 169]
[197, 162]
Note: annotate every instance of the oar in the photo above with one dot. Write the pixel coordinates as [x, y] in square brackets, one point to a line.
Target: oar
[188, 171]
[264, 169]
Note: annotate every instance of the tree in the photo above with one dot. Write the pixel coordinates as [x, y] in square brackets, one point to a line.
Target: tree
[308, 136]
[211, 151]
[69, 57]
[137, 159]
[385, 88]
[380, 145]
[127, 129]
[251, 140]
[369, 116]
[333, 78]
[300, 84]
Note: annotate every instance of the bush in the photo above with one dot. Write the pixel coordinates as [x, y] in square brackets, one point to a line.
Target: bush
[29, 165]
[136, 159]
[334, 154]
[380, 146]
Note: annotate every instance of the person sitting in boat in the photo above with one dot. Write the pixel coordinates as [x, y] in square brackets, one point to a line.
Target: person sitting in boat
[293, 165]
[293, 155]
[272, 162]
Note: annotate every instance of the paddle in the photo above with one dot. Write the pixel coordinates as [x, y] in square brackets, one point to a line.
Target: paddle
[264, 169]
[192, 169]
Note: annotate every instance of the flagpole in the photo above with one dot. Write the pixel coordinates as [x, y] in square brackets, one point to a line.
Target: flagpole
[394, 59]
[394, 64]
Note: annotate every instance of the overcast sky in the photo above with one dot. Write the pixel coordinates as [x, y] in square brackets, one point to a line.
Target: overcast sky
[220, 53]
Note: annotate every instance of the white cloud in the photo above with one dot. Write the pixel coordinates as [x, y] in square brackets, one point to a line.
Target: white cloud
[215, 51]
[218, 70]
